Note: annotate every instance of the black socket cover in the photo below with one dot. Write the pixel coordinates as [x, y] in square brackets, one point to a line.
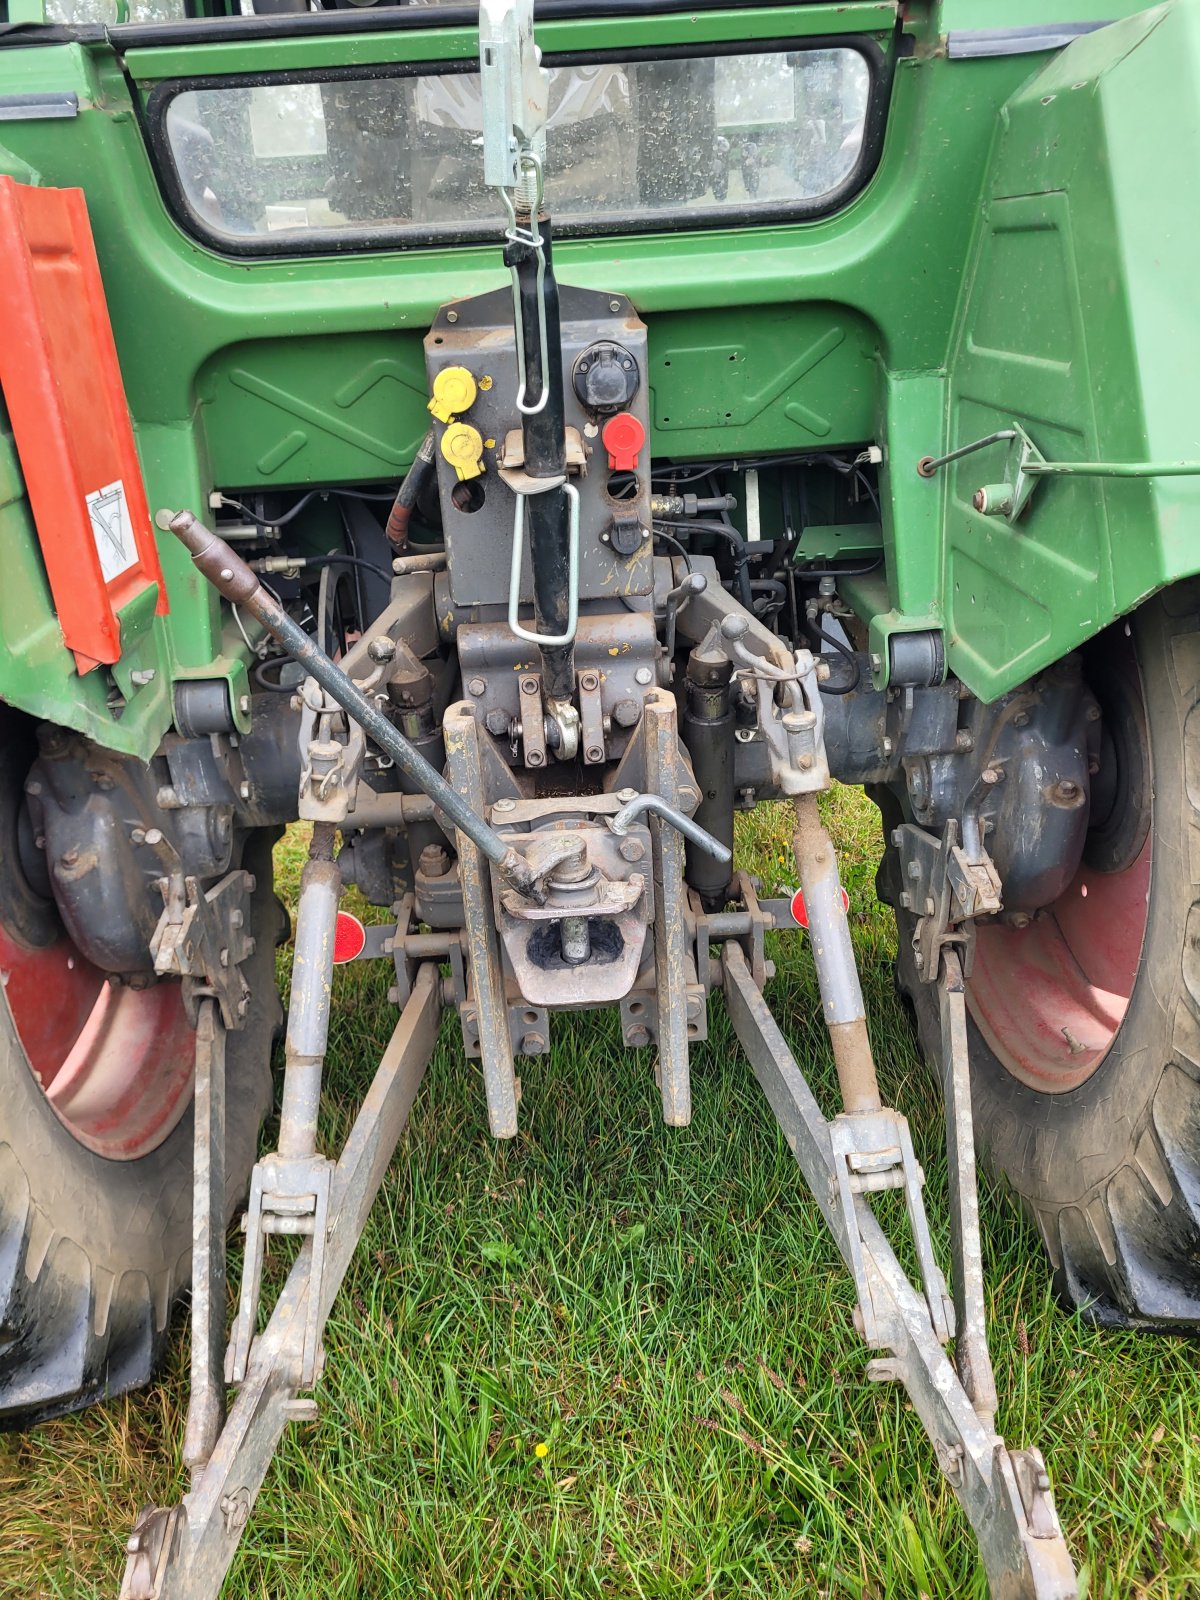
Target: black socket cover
[605, 377]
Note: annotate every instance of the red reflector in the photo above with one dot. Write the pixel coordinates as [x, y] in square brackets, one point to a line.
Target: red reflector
[349, 938]
[623, 437]
[801, 915]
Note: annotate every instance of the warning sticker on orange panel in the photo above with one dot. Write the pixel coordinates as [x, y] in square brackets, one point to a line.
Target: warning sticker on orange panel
[112, 529]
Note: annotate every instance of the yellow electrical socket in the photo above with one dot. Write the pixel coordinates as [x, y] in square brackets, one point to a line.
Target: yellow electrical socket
[462, 446]
[454, 392]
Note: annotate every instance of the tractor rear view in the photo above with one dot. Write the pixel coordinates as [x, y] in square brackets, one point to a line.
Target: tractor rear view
[513, 450]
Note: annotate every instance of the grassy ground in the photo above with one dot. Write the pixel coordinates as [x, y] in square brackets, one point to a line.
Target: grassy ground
[610, 1359]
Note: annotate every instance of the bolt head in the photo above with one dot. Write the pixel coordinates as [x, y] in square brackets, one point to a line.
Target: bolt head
[632, 849]
[381, 648]
[244, 704]
[637, 1038]
[876, 662]
[477, 686]
[244, 790]
[644, 676]
[504, 805]
[614, 305]
[452, 316]
[626, 795]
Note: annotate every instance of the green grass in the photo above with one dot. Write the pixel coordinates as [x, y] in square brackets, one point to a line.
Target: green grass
[663, 1313]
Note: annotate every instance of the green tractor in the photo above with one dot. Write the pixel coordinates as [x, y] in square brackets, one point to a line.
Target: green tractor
[514, 456]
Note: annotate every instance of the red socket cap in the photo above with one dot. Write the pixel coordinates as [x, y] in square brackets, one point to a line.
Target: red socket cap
[623, 437]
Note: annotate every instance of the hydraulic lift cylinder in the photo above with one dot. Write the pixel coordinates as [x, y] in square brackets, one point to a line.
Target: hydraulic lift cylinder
[708, 734]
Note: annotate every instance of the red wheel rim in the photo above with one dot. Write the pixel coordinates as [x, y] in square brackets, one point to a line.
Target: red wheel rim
[115, 1063]
[1048, 999]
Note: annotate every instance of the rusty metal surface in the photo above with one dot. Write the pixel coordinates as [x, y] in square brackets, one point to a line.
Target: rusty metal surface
[616, 888]
[612, 647]
[660, 724]
[206, 1402]
[971, 1353]
[486, 1003]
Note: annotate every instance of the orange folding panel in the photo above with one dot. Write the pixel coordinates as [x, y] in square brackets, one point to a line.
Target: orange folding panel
[66, 402]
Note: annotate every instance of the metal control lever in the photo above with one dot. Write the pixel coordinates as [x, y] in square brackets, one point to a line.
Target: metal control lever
[692, 831]
[226, 570]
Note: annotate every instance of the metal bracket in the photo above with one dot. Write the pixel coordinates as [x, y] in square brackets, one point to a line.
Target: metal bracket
[947, 885]
[329, 764]
[1026, 466]
[515, 89]
[286, 1197]
[872, 1151]
[149, 1550]
[202, 938]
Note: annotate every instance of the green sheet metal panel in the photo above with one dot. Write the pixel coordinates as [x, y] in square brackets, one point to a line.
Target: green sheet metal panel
[1080, 301]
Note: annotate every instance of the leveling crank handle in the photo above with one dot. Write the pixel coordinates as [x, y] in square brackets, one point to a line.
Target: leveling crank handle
[226, 571]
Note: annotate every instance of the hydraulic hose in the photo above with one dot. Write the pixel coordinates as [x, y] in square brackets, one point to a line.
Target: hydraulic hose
[418, 475]
[226, 571]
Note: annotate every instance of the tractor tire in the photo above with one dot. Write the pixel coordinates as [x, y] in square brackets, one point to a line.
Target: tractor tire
[1085, 1026]
[95, 1197]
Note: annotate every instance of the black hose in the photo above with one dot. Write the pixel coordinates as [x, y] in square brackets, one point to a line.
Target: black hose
[337, 560]
[843, 650]
[305, 499]
[741, 554]
[334, 559]
[669, 538]
[421, 473]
